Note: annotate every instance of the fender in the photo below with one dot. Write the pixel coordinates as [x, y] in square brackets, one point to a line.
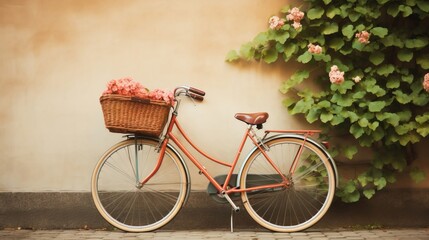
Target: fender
[182, 160]
[296, 136]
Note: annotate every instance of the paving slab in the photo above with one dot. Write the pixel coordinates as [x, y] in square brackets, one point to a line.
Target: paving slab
[348, 234]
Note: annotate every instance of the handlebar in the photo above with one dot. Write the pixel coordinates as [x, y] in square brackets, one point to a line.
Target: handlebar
[197, 91]
[191, 92]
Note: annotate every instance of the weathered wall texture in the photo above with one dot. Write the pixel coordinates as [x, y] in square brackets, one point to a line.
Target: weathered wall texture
[57, 56]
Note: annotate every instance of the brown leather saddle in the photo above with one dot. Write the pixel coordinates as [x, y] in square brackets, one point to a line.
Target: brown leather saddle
[253, 118]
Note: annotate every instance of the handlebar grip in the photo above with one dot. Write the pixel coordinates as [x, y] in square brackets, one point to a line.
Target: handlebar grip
[196, 96]
[197, 91]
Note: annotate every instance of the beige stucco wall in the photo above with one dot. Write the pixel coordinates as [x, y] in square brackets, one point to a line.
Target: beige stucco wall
[57, 56]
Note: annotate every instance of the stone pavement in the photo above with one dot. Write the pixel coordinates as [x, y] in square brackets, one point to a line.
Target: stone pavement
[348, 234]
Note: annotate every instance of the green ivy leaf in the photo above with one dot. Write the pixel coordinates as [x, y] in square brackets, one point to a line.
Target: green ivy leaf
[363, 122]
[378, 133]
[271, 55]
[405, 128]
[382, 2]
[406, 10]
[405, 116]
[301, 106]
[288, 102]
[380, 183]
[313, 115]
[376, 106]
[376, 58]
[279, 36]
[423, 61]
[423, 5]
[379, 31]
[289, 50]
[305, 57]
[262, 37]
[326, 117]
[368, 193]
[354, 16]
[336, 43]
[324, 104]
[393, 83]
[350, 115]
[417, 42]
[247, 51]
[421, 99]
[393, 10]
[402, 97]
[356, 130]
[385, 69]
[405, 55]
[348, 31]
[423, 130]
[411, 137]
[337, 119]
[407, 78]
[357, 45]
[232, 56]
[364, 179]
[350, 151]
[410, 3]
[391, 118]
[342, 100]
[332, 12]
[323, 57]
[422, 118]
[350, 187]
[392, 40]
[342, 88]
[330, 28]
[294, 80]
[349, 192]
[315, 13]
[417, 175]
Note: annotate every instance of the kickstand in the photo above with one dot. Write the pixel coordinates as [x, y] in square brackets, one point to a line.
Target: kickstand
[232, 220]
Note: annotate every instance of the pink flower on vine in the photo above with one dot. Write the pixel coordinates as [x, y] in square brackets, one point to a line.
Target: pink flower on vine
[335, 75]
[363, 37]
[296, 16]
[426, 82]
[316, 49]
[276, 22]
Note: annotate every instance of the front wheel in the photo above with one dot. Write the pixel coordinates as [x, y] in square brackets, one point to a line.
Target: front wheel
[301, 202]
[123, 201]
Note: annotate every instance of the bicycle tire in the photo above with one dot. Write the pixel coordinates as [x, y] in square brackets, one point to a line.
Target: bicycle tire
[118, 196]
[293, 208]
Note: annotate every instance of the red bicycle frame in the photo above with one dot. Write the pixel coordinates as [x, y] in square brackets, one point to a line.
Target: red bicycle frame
[224, 189]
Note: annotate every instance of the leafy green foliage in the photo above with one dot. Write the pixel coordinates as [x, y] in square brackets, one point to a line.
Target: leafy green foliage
[382, 47]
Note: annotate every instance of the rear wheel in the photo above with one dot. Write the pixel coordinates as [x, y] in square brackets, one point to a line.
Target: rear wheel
[119, 196]
[296, 206]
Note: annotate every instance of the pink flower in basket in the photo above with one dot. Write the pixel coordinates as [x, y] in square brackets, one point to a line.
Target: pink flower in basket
[159, 94]
[128, 87]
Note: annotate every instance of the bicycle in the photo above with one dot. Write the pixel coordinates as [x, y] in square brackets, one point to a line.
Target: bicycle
[286, 183]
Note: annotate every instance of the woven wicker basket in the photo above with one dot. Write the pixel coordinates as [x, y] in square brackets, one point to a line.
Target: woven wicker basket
[125, 114]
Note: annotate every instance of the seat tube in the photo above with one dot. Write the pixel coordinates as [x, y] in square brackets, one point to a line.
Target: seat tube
[297, 156]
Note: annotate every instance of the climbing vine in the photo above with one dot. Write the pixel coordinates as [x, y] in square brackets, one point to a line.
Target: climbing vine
[371, 62]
